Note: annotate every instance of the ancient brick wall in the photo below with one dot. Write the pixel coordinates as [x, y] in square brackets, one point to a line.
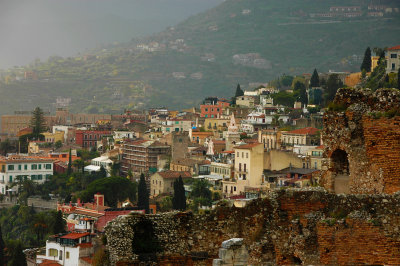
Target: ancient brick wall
[369, 139]
[287, 227]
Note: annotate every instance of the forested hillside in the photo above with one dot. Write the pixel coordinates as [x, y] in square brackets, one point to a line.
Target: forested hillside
[240, 41]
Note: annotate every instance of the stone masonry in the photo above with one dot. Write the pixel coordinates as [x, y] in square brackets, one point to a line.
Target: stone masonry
[362, 142]
[309, 226]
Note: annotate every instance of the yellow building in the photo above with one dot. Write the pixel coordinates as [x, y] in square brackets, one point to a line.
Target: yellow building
[54, 137]
[216, 124]
[249, 168]
[374, 62]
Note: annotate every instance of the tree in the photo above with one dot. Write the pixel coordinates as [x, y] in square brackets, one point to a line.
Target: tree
[301, 92]
[102, 172]
[314, 81]
[143, 194]
[166, 204]
[17, 256]
[239, 91]
[114, 189]
[58, 144]
[38, 123]
[2, 247]
[200, 189]
[332, 85]
[59, 223]
[69, 170]
[179, 199]
[366, 63]
[398, 79]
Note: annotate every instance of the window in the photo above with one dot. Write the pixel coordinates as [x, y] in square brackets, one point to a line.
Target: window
[315, 165]
[242, 154]
[244, 177]
[40, 177]
[393, 56]
[10, 167]
[206, 110]
[10, 178]
[206, 116]
[19, 167]
[67, 255]
[48, 166]
[177, 122]
[33, 167]
[33, 177]
[40, 166]
[244, 167]
[53, 252]
[240, 167]
[237, 154]
[48, 177]
[393, 66]
[247, 155]
[234, 188]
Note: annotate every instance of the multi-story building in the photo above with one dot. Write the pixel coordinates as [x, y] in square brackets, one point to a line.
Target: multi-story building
[302, 136]
[141, 156]
[69, 249]
[163, 182]
[270, 138]
[15, 169]
[393, 59]
[249, 167]
[176, 125]
[89, 138]
[213, 107]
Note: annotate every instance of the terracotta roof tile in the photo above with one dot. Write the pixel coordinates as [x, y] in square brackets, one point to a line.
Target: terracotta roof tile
[75, 235]
[174, 174]
[247, 146]
[397, 47]
[304, 131]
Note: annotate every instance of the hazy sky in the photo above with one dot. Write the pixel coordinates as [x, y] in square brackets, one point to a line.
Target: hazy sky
[32, 29]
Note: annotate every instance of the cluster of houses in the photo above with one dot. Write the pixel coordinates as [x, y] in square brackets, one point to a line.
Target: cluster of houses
[243, 150]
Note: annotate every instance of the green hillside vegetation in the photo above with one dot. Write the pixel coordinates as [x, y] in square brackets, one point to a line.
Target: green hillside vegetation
[280, 35]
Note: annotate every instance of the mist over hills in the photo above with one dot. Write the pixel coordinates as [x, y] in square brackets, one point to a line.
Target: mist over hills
[42, 28]
[239, 41]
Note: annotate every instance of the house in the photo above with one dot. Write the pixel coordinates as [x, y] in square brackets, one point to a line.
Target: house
[53, 137]
[303, 136]
[188, 165]
[393, 59]
[197, 136]
[163, 182]
[271, 138]
[69, 249]
[213, 107]
[98, 162]
[247, 101]
[176, 125]
[15, 168]
[89, 138]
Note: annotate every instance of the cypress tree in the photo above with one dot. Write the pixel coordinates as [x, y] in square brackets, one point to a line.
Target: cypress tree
[2, 247]
[366, 64]
[58, 226]
[239, 91]
[314, 82]
[143, 194]
[69, 170]
[179, 199]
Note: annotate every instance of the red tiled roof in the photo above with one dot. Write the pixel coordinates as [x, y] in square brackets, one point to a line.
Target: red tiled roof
[304, 131]
[219, 141]
[247, 146]
[90, 213]
[397, 47]
[75, 235]
[320, 147]
[174, 174]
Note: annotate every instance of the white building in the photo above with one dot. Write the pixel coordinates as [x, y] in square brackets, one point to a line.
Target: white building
[70, 249]
[393, 59]
[25, 168]
[176, 125]
[98, 162]
[121, 135]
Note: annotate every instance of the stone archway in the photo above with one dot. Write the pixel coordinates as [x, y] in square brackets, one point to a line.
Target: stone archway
[145, 242]
[340, 171]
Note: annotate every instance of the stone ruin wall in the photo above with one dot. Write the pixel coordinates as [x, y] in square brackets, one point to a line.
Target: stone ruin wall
[287, 227]
[372, 142]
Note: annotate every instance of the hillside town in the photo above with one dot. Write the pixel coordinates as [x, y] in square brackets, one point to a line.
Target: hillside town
[93, 168]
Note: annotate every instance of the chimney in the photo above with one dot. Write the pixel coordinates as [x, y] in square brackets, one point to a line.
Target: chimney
[78, 202]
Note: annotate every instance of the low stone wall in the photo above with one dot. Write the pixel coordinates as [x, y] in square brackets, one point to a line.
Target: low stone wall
[287, 227]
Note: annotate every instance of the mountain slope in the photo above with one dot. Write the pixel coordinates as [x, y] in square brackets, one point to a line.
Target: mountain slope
[245, 41]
